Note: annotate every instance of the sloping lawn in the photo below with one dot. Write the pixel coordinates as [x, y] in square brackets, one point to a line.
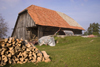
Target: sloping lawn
[70, 52]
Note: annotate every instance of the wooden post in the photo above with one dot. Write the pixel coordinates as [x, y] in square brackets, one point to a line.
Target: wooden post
[40, 31]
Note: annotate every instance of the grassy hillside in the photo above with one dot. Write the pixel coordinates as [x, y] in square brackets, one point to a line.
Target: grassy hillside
[70, 52]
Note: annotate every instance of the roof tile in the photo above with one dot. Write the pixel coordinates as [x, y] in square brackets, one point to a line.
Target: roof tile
[47, 17]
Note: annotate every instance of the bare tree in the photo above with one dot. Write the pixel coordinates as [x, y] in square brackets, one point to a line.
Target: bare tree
[3, 27]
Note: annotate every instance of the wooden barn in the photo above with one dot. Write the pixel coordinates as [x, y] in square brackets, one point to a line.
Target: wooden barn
[35, 21]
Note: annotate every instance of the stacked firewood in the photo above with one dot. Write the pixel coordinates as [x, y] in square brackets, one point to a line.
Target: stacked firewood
[14, 51]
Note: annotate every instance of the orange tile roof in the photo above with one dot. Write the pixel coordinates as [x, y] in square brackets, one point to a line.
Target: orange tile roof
[46, 17]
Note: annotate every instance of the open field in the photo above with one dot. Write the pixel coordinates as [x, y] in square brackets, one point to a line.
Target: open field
[70, 52]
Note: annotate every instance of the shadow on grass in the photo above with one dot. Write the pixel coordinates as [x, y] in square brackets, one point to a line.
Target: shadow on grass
[50, 58]
[8, 65]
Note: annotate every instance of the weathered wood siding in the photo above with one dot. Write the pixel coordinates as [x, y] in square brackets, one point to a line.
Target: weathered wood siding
[24, 20]
[47, 30]
[40, 31]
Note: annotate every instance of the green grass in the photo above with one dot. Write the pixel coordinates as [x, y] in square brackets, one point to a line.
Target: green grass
[70, 52]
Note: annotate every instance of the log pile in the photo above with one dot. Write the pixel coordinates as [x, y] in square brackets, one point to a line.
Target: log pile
[14, 51]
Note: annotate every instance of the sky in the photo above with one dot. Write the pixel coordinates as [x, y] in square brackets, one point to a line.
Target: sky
[82, 11]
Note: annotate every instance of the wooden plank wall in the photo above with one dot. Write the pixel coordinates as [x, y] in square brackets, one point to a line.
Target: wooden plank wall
[77, 31]
[52, 30]
[23, 22]
[47, 30]
[40, 31]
